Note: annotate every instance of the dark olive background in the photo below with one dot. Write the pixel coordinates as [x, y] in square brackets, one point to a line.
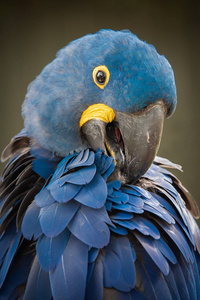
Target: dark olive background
[31, 32]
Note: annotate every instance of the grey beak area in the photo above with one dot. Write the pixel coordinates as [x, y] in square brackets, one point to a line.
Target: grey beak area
[132, 139]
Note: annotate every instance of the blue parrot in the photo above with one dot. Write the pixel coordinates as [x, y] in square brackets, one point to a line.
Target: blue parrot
[88, 211]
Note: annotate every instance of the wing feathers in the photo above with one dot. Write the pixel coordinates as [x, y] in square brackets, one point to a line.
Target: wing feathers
[69, 277]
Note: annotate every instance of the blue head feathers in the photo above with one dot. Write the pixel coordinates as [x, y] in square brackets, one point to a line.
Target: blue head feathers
[57, 98]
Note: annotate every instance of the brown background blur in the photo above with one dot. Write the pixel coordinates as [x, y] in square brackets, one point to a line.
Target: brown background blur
[31, 32]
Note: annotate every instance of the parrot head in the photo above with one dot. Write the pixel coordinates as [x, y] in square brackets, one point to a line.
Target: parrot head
[107, 90]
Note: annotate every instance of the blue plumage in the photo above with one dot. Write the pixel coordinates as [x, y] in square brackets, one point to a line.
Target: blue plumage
[31, 224]
[54, 222]
[120, 249]
[44, 198]
[67, 81]
[89, 226]
[54, 218]
[9, 244]
[83, 216]
[38, 285]
[94, 193]
[49, 250]
[71, 268]
[94, 289]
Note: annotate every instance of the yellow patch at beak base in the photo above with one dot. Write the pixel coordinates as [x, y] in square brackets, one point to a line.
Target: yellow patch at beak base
[98, 111]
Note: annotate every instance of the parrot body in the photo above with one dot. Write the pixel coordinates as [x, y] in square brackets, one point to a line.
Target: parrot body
[88, 211]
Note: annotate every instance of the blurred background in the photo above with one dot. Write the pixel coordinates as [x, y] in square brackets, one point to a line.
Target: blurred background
[32, 31]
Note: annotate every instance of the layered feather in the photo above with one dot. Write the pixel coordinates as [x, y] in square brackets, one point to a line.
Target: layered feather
[88, 238]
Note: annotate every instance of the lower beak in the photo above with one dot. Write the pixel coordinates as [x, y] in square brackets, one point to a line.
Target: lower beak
[132, 139]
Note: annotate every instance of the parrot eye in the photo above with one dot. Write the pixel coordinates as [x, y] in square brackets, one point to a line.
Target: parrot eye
[101, 76]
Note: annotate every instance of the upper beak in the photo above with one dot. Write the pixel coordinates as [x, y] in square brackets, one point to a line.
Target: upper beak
[132, 139]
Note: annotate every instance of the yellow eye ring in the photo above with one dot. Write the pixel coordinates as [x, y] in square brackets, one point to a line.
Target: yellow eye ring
[101, 76]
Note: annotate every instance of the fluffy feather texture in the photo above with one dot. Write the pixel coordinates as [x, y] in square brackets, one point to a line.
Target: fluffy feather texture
[66, 86]
[67, 230]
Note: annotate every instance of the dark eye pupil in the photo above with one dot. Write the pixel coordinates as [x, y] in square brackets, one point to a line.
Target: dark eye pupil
[101, 77]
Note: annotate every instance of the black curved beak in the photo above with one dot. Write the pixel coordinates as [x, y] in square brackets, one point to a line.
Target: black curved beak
[132, 139]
